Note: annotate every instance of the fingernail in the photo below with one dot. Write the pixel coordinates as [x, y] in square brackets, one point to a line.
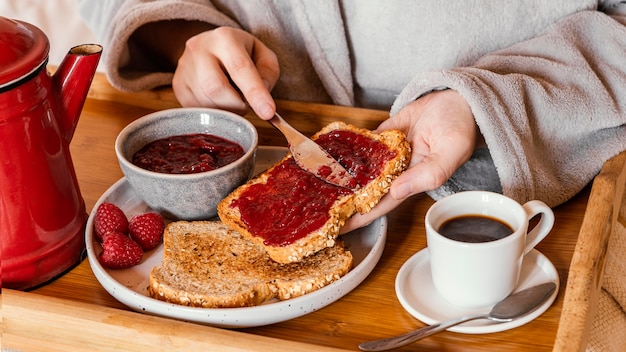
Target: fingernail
[266, 110]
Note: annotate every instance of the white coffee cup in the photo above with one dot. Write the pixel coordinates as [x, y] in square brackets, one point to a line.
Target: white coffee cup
[481, 274]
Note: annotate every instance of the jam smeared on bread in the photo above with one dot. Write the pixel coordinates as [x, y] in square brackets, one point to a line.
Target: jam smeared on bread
[290, 205]
[293, 202]
[363, 157]
[293, 215]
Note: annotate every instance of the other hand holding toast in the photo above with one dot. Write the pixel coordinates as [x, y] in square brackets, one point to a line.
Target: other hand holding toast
[443, 134]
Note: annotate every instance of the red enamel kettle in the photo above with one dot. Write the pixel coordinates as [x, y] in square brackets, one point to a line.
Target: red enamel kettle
[42, 213]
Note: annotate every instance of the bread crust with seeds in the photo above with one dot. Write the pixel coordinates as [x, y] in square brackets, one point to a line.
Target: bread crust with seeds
[362, 200]
[206, 264]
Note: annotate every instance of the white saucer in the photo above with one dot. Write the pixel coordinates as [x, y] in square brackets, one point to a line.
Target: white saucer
[417, 294]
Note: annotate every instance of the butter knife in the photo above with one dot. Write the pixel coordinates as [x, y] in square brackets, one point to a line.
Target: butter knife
[311, 157]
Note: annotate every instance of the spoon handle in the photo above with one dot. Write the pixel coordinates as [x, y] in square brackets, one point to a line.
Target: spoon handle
[412, 336]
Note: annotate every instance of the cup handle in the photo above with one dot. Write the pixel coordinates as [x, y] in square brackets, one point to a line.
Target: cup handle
[543, 228]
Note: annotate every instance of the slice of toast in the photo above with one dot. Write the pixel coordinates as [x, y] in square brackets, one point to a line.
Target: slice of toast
[293, 214]
[206, 264]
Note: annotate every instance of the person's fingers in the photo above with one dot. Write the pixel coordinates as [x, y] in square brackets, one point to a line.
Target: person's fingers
[426, 175]
[441, 130]
[402, 121]
[222, 67]
[206, 85]
[267, 67]
[239, 55]
[184, 94]
[385, 205]
[203, 68]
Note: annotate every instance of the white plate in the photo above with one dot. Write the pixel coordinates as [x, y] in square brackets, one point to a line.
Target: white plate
[417, 294]
[129, 286]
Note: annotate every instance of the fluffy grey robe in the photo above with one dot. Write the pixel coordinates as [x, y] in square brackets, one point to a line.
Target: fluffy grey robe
[546, 80]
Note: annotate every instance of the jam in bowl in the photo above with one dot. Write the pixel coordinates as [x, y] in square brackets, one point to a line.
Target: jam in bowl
[188, 195]
[187, 154]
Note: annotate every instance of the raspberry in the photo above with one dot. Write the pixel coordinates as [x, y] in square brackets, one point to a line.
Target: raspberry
[119, 251]
[109, 218]
[147, 229]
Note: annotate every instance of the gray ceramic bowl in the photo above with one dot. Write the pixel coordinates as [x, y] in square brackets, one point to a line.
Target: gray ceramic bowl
[186, 196]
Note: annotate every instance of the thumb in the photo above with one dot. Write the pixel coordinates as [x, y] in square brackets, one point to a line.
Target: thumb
[386, 204]
[428, 174]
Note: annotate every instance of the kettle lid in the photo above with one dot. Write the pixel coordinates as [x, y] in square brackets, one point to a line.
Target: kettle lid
[23, 49]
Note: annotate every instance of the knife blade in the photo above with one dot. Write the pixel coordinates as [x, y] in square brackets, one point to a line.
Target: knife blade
[311, 157]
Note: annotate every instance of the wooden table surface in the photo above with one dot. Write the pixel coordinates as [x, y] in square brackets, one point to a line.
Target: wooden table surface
[75, 313]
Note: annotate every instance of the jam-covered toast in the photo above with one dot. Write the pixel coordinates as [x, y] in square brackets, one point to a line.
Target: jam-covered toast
[206, 264]
[293, 214]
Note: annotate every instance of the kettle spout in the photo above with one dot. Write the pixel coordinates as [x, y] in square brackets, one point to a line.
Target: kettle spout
[71, 83]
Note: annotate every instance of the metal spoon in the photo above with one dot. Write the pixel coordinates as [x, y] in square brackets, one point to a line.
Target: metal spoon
[514, 306]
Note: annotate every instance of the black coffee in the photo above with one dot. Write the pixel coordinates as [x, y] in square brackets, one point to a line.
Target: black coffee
[475, 229]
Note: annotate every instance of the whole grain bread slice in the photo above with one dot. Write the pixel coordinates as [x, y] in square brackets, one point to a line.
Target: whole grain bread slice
[360, 200]
[206, 264]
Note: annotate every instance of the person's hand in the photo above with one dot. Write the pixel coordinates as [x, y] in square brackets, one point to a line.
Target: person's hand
[214, 60]
[442, 132]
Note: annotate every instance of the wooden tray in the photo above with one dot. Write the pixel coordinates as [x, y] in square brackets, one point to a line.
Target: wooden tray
[39, 323]
[600, 223]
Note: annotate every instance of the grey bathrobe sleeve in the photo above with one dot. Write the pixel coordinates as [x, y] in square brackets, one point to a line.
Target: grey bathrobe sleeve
[551, 108]
[114, 21]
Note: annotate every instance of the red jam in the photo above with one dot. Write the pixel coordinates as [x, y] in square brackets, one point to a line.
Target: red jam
[361, 156]
[187, 154]
[293, 202]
